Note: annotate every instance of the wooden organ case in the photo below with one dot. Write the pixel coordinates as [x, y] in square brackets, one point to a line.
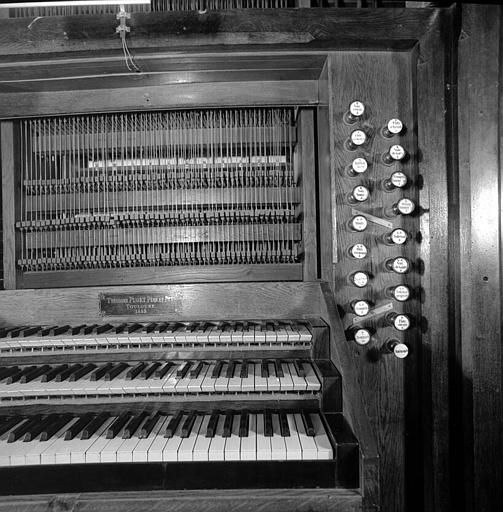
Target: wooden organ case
[214, 267]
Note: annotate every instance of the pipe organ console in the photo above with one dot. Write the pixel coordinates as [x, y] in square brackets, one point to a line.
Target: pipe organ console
[215, 269]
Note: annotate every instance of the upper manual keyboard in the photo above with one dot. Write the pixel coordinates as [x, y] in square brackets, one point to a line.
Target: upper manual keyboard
[155, 335]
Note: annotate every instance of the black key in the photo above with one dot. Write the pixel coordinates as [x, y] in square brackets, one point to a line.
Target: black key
[231, 367]
[94, 425]
[212, 425]
[58, 331]
[82, 372]
[36, 372]
[76, 330]
[264, 371]
[21, 430]
[120, 328]
[188, 424]
[101, 371]
[244, 424]
[129, 329]
[244, 370]
[15, 377]
[216, 371]
[133, 425]
[160, 328]
[196, 370]
[228, 425]
[15, 332]
[149, 425]
[66, 373]
[112, 373]
[161, 372]
[114, 429]
[182, 370]
[51, 374]
[279, 369]
[89, 329]
[308, 424]
[149, 370]
[48, 331]
[79, 425]
[299, 368]
[102, 329]
[283, 425]
[268, 431]
[9, 423]
[133, 372]
[7, 371]
[30, 331]
[37, 429]
[147, 328]
[55, 427]
[173, 425]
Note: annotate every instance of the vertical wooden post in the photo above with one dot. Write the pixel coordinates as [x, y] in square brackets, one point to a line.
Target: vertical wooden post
[9, 146]
[306, 155]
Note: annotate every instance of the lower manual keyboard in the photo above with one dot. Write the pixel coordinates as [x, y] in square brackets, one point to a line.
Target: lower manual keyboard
[157, 378]
[56, 439]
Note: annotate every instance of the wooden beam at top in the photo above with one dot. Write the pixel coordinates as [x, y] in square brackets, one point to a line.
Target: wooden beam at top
[22, 39]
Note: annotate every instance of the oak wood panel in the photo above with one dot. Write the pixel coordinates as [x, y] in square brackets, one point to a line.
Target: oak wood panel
[306, 162]
[218, 301]
[161, 275]
[353, 402]
[433, 112]
[249, 29]
[480, 233]
[217, 94]
[384, 83]
[10, 155]
[287, 500]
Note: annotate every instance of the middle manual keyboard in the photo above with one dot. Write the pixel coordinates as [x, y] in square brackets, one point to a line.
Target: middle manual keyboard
[158, 378]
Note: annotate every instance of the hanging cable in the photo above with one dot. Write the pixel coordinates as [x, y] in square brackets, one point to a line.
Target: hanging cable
[122, 30]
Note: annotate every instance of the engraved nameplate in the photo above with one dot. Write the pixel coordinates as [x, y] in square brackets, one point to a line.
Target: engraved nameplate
[127, 304]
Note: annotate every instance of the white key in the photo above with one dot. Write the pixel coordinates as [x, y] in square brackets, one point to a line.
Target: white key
[196, 382]
[226, 334]
[237, 334]
[321, 438]
[249, 443]
[235, 381]
[170, 380]
[312, 381]
[278, 448]
[126, 449]
[140, 452]
[281, 333]
[248, 383]
[270, 333]
[156, 384]
[233, 443]
[214, 335]
[293, 335]
[286, 382]
[109, 451]
[170, 452]
[222, 381]
[309, 448]
[37, 447]
[260, 382]
[263, 443]
[217, 445]
[202, 444]
[180, 335]
[5, 446]
[299, 383]
[118, 384]
[79, 447]
[273, 382]
[58, 452]
[156, 448]
[208, 384]
[305, 335]
[93, 453]
[249, 334]
[292, 442]
[186, 449]
[259, 334]
[203, 336]
[182, 385]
